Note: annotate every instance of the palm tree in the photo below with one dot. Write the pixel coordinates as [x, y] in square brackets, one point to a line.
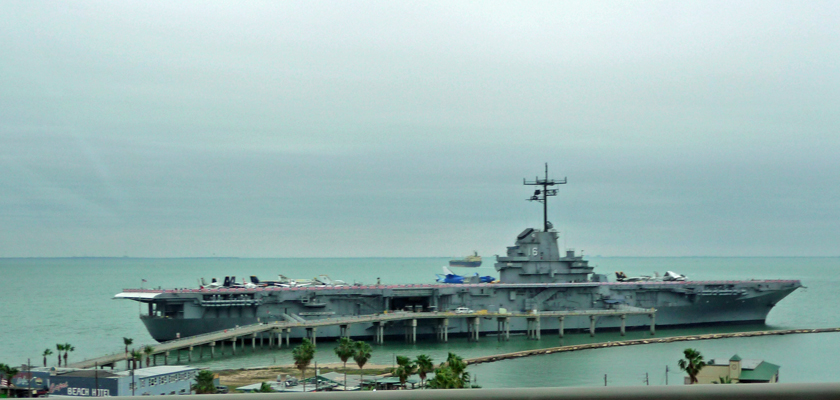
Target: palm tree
[3, 373]
[204, 382]
[444, 379]
[59, 347]
[303, 355]
[692, 363]
[67, 349]
[361, 356]
[458, 367]
[148, 350]
[424, 366]
[10, 372]
[344, 351]
[46, 353]
[135, 357]
[127, 342]
[405, 370]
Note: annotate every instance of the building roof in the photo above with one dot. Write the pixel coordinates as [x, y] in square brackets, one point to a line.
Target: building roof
[88, 373]
[158, 370]
[748, 363]
[337, 377]
[763, 372]
[393, 380]
[323, 383]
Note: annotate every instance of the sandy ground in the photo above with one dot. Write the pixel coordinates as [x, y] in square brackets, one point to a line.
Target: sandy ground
[233, 378]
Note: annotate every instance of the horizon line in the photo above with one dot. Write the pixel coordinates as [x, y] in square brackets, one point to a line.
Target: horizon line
[363, 257]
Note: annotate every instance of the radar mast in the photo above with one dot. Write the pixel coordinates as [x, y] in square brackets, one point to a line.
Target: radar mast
[543, 195]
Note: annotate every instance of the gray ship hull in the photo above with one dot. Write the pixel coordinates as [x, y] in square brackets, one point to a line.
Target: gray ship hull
[682, 304]
[534, 275]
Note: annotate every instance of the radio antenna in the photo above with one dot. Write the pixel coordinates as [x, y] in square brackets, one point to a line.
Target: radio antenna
[543, 195]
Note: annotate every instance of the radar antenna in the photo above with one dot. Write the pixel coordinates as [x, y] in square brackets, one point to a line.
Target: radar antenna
[542, 195]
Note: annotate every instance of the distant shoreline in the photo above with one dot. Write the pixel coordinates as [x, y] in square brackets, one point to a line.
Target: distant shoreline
[360, 258]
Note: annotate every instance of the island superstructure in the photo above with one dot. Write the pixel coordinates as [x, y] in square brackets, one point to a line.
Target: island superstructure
[534, 276]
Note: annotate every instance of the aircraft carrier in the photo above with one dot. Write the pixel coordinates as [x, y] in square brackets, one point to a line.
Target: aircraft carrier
[534, 276]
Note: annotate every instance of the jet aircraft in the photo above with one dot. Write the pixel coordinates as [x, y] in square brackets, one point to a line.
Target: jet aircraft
[450, 277]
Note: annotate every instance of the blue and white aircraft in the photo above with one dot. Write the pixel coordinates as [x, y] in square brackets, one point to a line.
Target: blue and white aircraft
[450, 277]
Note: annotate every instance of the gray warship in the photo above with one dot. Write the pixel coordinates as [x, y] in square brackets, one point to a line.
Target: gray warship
[534, 276]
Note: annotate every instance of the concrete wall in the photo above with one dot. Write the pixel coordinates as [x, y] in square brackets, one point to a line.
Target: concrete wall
[82, 386]
[712, 373]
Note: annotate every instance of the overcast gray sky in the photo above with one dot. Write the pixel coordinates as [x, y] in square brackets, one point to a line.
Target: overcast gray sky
[364, 128]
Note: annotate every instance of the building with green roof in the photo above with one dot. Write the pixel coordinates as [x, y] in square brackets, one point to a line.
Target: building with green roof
[738, 370]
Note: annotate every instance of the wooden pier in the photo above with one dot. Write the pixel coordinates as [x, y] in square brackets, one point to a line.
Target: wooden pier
[277, 331]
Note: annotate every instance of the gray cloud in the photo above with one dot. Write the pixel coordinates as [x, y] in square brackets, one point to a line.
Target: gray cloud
[393, 129]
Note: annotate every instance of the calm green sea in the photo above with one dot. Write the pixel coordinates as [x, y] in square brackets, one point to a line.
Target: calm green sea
[49, 301]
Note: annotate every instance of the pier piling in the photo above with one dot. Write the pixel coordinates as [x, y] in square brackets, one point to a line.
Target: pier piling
[591, 326]
[652, 323]
[446, 330]
[623, 323]
[561, 320]
[503, 328]
[533, 328]
[380, 332]
[476, 327]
